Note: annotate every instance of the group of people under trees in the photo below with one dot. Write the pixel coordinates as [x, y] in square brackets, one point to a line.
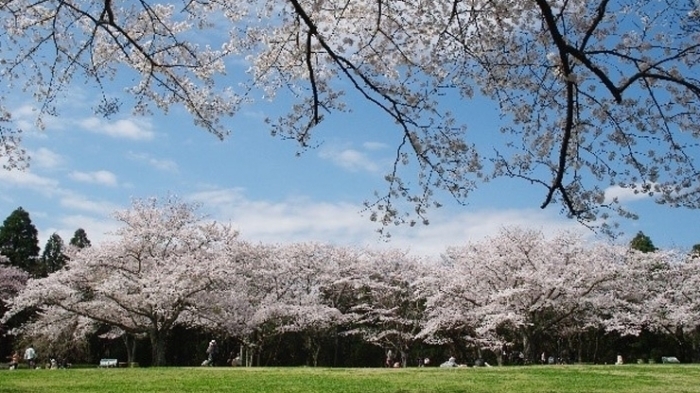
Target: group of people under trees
[31, 360]
[212, 354]
[30, 357]
[392, 362]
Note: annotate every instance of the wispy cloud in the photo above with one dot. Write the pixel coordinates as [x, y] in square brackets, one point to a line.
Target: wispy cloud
[98, 228]
[79, 211]
[26, 118]
[375, 145]
[623, 194]
[301, 219]
[81, 203]
[45, 158]
[160, 164]
[27, 179]
[134, 129]
[105, 178]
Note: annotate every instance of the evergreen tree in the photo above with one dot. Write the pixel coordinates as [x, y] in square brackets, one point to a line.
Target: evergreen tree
[19, 241]
[53, 258]
[80, 239]
[643, 243]
[695, 251]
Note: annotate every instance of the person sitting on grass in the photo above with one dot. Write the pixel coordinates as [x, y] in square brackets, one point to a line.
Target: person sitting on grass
[451, 362]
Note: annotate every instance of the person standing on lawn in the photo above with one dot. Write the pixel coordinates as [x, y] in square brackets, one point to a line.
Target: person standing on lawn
[212, 350]
[30, 356]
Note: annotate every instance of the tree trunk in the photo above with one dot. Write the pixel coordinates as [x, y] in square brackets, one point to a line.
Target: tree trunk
[314, 348]
[316, 352]
[681, 344]
[696, 345]
[579, 356]
[250, 356]
[335, 347]
[249, 350]
[595, 351]
[130, 343]
[158, 346]
[527, 349]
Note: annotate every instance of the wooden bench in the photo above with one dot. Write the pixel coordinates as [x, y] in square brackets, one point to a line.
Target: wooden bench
[108, 362]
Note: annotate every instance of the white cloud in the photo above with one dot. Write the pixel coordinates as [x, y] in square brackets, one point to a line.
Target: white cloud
[350, 159]
[300, 219]
[81, 203]
[98, 229]
[24, 117]
[27, 179]
[94, 216]
[24, 111]
[623, 194]
[134, 129]
[45, 158]
[458, 227]
[105, 178]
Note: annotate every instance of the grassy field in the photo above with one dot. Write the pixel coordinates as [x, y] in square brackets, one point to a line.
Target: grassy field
[539, 379]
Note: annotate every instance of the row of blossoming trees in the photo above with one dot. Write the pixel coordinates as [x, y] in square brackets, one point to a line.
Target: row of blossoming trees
[168, 268]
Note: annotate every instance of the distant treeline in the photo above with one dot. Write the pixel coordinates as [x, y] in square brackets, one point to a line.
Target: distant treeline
[170, 282]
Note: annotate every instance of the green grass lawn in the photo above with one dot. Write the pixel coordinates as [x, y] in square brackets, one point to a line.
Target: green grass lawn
[539, 379]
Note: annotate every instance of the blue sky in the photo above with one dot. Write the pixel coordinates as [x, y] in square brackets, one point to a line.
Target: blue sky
[85, 167]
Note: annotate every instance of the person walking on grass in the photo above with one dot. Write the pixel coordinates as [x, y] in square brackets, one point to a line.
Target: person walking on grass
[212, 350]
[30, 356]
[389, 361]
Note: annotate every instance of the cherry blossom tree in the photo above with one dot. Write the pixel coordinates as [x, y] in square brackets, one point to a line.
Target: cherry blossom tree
[271, 290]
[660, 296]
[12, 281]
[592, 93]
[683, 305]
[145, 280]
[300, 307]
[520, 282]
[643, 287]
[279, 292]
[450, 308]
[233, 308]
[167, 267]
[61, 334]
[389, 310]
